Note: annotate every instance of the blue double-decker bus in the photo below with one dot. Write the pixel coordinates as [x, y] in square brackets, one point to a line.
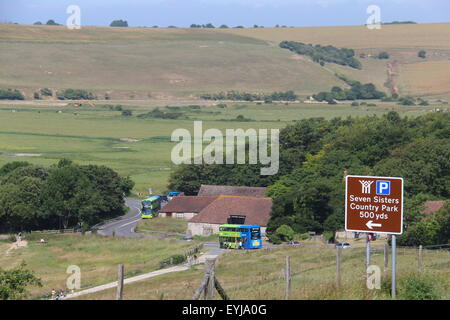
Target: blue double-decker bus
[150, 207]
[240, 236]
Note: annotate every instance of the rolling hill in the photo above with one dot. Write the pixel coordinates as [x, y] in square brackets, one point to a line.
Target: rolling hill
[169, 63]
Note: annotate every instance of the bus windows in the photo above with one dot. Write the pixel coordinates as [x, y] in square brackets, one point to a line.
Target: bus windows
[256, 233]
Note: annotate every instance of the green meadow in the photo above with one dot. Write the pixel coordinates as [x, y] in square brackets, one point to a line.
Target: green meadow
[141, 148]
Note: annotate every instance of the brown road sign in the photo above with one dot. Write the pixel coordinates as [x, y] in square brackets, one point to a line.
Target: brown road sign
[374, 204]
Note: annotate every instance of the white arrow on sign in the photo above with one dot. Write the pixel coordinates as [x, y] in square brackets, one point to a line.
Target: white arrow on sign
[370, 224]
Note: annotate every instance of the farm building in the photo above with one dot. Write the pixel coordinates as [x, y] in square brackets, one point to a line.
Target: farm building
[255, 209]
[210, 190]
[185, 207]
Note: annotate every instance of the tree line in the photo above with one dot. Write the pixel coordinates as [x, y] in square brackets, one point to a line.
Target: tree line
[357, 91]
[246, 96]
[64, 195]
[316, 154]
[322, 54]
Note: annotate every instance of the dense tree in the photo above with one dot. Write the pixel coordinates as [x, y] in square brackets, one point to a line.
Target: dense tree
[316, 154]
[322, 54]
[52, 22]
[357, 91]
[64, 195]
[119, 23]
[11, 166]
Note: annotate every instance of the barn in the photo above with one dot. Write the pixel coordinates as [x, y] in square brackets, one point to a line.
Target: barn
[255, 209]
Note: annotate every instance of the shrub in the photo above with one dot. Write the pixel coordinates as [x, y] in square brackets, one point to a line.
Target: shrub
[127, 113]
[407, 101]
[303, 236]
[11, 95]
[242, 118]
[418, 287]
[383, 55]
[46, 92]
[422, 54]
[14, 283]
[172, 260]
[36, 96]
[75, 94]
[285, 233]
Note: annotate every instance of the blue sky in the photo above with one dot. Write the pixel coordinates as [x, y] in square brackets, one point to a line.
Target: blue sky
[231, 12]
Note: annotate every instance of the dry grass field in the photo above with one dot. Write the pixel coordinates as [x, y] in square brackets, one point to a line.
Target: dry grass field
[248, 275]
[177, 63]
[97, 256]
[149, 63]
[425, 78]
[359, 37]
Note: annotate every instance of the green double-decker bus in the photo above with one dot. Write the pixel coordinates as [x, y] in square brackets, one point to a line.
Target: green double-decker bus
[150, 207]
[240, 236]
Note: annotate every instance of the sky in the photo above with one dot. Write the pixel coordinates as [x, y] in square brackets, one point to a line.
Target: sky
[247, 13]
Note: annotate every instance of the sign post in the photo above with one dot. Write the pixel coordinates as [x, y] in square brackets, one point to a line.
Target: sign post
[375, 205]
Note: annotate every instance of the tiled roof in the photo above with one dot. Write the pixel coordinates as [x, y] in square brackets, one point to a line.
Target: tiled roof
[256, 209]
[432, 206]
[187, 204]
[210, 190]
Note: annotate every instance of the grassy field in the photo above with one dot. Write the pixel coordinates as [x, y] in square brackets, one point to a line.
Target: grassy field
[259, 275]
[144, 68]
[41, 135]
[163, 225]
[97, 256]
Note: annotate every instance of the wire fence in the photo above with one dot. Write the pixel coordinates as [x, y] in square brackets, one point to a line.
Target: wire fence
[314, 274]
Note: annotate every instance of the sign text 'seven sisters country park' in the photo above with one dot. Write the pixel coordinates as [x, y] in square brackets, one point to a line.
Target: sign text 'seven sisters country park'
[374, 204]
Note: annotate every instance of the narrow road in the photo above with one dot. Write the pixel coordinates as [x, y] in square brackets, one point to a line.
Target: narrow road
[126, 281]
[125, 225]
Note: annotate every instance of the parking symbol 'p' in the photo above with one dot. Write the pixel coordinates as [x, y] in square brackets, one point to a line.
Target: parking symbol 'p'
[383, 187]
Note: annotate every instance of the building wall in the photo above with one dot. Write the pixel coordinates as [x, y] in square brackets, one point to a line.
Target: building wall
[179, 215]
[206, 229]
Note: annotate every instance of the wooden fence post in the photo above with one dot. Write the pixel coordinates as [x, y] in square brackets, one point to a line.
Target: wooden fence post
[119, 294]
[420, 259]
[209, 270]
[287, 276]
[386, 259]
[220, 290]
[338, 267]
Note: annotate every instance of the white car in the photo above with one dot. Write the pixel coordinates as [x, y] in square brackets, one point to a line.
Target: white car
[343, 245]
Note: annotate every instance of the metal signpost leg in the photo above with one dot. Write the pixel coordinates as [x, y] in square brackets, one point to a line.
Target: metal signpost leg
[394, 266]
[367, 252]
